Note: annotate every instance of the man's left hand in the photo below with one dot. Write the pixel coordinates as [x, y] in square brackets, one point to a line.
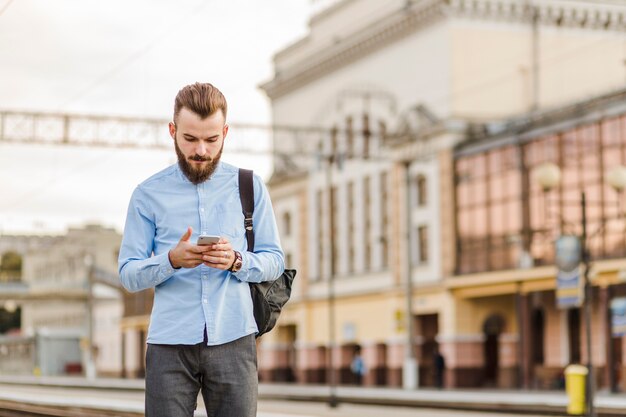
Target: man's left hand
[220, 256]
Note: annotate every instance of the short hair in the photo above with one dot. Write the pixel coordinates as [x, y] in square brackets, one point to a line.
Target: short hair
[204, 99]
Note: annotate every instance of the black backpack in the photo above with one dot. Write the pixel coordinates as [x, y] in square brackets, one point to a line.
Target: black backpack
[269, 297]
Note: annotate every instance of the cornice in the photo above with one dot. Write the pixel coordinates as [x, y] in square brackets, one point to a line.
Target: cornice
[420, 14]
[559, 13]
[328, 11]
[482, 137]
[388, 29]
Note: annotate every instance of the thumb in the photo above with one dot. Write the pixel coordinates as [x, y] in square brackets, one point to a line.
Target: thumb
[186, 236]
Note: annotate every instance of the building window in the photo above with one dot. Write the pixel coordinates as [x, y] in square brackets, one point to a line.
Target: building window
[422, 197]
[351, 226]
[422, 236]
[320, 233]
[367, 134]
[367, 223]
[10, 267]
[382, 128]
[384, 215]
[489, 218]
[349, 137]
[333, 231]
[286, 224]
[504, 216]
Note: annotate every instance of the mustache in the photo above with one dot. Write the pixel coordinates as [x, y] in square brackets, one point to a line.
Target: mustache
[200, 158]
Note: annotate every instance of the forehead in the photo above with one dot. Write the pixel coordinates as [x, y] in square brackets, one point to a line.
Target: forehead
[190, 122]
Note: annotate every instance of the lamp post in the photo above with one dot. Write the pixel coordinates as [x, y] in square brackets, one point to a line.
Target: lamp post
[332, 376]
[90, 366]
[410, 371]
[548, 176]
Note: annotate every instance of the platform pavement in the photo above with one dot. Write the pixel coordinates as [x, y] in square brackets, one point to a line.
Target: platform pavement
[554, 402]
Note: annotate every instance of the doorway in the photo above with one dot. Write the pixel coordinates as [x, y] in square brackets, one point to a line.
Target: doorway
[428, 330]
[492, 328]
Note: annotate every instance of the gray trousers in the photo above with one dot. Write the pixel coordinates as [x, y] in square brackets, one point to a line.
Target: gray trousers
[226, 374]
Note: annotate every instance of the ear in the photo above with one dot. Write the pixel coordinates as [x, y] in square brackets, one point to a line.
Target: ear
[172, 127]
[224, 132]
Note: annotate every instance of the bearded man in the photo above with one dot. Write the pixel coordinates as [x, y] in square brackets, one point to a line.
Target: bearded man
[202, 328]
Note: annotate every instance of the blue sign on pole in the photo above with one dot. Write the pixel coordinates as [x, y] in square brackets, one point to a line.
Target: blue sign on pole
[569, 285]
[618, 316]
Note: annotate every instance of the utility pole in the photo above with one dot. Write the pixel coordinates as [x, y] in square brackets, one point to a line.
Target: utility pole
[332, 377]
[591, 389]
[410, 373]
[534, 16]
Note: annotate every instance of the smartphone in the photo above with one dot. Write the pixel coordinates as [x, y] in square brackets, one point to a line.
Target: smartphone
[207, 240]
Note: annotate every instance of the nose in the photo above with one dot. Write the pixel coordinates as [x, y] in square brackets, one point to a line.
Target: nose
[201, 148]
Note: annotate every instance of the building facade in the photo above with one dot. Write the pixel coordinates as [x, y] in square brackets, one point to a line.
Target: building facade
[73, 300]
[507, 226]
[393, 245]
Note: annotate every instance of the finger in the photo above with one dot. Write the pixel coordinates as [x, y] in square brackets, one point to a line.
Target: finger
[187, 235]
[218, 254]
[223, 247]
[216, 266]
[215, 259]
[202, 249]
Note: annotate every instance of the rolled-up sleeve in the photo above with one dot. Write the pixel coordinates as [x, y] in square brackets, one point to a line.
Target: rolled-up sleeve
[138, 269]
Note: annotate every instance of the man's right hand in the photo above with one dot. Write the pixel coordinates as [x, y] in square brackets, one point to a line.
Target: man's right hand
[186, 254]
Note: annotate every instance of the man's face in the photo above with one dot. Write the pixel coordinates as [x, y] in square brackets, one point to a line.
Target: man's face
[198, 143]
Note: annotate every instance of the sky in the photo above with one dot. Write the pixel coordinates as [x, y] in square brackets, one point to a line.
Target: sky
[124, 58]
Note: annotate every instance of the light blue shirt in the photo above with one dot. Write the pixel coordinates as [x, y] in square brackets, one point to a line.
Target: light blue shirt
[186, 300]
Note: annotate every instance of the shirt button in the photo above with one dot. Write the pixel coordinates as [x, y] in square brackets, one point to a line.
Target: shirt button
[204, 301]
[202, 209]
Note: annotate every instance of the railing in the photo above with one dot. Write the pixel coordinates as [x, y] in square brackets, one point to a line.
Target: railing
[17, 355]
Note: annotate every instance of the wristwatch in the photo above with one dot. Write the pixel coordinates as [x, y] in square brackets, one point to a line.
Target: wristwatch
[238, 262]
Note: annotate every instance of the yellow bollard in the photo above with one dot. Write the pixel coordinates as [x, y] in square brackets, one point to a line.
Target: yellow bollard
[575, 379]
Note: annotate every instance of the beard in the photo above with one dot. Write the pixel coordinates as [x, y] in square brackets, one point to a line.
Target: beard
[194, 174]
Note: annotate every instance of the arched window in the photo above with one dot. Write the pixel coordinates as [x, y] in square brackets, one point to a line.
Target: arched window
[287, 223]
[10, 267]
[422, 191]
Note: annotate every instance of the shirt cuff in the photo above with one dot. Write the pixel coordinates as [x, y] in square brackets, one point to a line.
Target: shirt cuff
[165, 268]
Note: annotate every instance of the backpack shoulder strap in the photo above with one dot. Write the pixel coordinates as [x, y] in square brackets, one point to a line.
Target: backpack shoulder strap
[246, 194]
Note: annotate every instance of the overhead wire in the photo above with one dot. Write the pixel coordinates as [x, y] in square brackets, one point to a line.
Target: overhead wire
[467, 91]
[470, 90]
[41, 188]
[5, 7]
[135, 56]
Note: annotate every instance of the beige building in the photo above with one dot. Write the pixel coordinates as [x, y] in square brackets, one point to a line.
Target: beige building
[73, 292]
[397, 93]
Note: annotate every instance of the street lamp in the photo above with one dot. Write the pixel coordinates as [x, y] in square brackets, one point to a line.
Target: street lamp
[548, 175]
[616, 178]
